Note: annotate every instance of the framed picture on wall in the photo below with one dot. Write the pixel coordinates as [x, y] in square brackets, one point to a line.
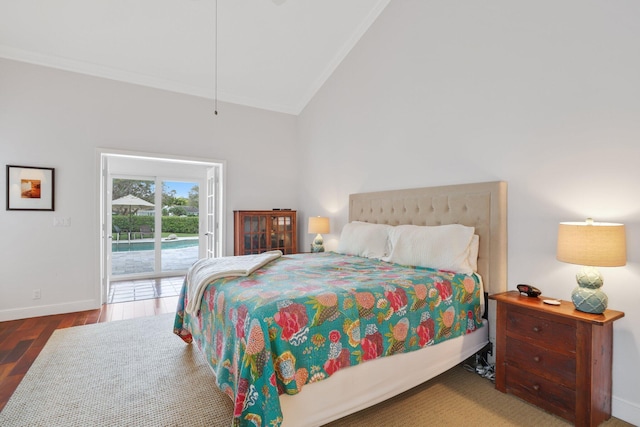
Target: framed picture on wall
[30, 188]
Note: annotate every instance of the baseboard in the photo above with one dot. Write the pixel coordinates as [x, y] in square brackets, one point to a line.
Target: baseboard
[625, 410]
[47, 310]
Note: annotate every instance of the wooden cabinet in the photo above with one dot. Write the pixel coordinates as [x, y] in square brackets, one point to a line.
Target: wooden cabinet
[260, 231]
[555, 357]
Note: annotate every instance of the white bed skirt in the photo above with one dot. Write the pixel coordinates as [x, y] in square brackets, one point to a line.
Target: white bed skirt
[357, 387]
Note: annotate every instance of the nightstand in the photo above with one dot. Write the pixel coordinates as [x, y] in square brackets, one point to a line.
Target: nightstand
[555, 357]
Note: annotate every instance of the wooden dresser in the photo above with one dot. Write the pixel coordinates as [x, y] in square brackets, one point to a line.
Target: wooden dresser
[260, 231]
[555, 357]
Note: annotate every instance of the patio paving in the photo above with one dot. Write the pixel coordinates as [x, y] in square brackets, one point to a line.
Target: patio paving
[141, 289]
[133, 262]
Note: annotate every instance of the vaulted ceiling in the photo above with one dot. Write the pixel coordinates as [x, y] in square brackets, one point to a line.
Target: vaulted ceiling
[271, 54]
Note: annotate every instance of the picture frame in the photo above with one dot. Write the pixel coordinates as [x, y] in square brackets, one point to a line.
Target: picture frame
[30, 188]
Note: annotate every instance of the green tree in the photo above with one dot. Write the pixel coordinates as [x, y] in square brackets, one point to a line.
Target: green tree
[177, 211]
[168, 196]
[123, 187]
[194, 196]
[142, 189]
[146, 191]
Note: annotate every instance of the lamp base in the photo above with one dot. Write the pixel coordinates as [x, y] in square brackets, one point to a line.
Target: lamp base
[588, 297]
[318, 244]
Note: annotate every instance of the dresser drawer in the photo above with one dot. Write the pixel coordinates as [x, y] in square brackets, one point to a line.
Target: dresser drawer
[541, 361]
[542, 330]
[542, 392]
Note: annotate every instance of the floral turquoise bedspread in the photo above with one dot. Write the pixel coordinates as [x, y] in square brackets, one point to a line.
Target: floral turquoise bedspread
[302, 317]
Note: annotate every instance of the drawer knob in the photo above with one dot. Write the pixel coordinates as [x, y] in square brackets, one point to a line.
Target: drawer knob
[536, 358]
[536, 387]
[536, 329]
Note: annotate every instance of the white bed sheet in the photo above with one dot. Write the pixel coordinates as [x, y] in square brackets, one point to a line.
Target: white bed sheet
[357, 387]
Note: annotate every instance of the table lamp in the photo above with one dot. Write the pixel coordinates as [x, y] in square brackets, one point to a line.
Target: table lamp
[591, 244]
[318, 225]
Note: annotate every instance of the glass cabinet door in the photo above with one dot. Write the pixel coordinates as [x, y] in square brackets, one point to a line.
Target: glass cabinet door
[281, 233]
[255, 230]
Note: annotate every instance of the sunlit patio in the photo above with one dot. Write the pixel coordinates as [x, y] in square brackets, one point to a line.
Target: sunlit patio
[143, 261]
[142, 289]
[125, 263]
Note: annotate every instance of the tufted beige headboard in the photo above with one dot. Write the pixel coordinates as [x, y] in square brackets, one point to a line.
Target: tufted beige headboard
[480, 205]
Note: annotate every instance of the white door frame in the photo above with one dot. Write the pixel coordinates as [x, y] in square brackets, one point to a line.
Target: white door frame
[212, 212]
[104, 216]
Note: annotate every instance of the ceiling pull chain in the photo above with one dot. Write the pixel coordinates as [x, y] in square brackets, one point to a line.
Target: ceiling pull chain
[215, 85]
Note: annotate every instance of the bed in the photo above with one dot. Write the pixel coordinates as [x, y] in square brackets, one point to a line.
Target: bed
[334, 384]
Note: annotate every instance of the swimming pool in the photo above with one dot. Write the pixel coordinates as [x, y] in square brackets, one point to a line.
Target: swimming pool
[148, 246]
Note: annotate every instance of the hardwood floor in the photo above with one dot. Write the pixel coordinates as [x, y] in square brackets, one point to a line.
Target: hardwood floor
[22, 340]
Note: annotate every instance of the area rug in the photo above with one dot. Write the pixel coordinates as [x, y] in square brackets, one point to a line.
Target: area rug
[137, 373]
[125, 373]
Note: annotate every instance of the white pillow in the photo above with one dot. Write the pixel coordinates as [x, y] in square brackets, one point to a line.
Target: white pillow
[444, 247]
[365, 239]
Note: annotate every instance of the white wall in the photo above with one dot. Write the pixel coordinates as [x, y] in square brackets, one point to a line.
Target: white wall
[57, 119]
[543, 94]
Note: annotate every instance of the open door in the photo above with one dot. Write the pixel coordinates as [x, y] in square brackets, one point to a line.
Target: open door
[105, 229]
[155, 234]
[213, 215]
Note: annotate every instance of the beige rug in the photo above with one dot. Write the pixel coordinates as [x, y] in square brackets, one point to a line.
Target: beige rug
[126, 373]
[137, 373]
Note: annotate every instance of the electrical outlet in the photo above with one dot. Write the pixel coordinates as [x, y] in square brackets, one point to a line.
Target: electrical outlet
[36, 294]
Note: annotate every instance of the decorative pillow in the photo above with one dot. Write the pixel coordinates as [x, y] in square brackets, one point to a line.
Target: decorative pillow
[365, 239]
[444, 247]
